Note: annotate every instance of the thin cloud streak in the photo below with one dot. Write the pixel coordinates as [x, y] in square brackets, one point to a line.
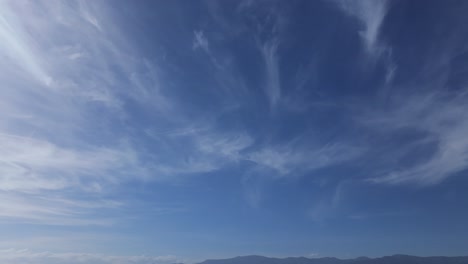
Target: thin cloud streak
[17, 256]
[201, 42]
[287, 159]
[204, 149]
[37, 209]
[16, 44]
[371, 14]
[272, 71]
[444, 123]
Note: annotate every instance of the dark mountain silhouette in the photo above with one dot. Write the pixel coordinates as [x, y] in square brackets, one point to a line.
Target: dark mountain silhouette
[395, 259]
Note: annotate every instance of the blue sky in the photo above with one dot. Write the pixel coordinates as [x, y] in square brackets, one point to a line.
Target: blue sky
[174, 131]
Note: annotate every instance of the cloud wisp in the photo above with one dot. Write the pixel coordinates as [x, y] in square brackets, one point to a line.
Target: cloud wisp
[57, 211]
[443, 122]
[200, 41]
[272, 72]
[60, 87]
[17, 256]
[287, 160]
[436, 114]
[371, 14]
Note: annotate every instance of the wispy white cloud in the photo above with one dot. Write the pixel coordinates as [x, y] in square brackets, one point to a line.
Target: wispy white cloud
[32, 165]
[32, 171]
[17, 256]
[20, 46]
[292, 160]
[61, 99]
[436, 113]
[204, 149]
[266, 23]
[254, 182]
[38, 209]
[269, 52]
[200, 41]
[228, 146]
[288, 158]
[442, 119]
[371, 14]
[328, 206]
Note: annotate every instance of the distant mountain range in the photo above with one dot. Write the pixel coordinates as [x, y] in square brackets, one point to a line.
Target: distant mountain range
[395, 259]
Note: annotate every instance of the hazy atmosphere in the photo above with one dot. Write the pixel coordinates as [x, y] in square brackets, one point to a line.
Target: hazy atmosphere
[178, 131]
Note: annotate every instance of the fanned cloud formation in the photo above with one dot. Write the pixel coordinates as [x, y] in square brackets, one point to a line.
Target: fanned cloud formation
[193, 119]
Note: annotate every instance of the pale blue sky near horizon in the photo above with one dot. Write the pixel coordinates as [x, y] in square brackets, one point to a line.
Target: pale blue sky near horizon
[176, 131]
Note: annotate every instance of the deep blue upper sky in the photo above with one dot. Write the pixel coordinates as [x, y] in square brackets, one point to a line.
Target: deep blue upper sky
[166, 131]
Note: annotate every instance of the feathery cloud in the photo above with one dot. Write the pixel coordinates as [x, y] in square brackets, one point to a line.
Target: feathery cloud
[288, 159]
[200, 41]
[272, 71]
[59, 103]
[443, 121]
[371, 14]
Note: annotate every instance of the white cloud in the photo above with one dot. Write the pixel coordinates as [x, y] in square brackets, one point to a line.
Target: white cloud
[23, 256]
[328, 207]
[272, 71]
[293, 160]
[200, 41]
[443, 119]
[62, 90]
[254, 181]
[371, 13]
[288, 158]
[86, 14]
[267, 23]
[228, 146]
[19, 46]
[39, 209]
[31, 165]
[203, 149]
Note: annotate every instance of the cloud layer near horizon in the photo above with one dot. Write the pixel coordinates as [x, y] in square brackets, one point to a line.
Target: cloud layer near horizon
[22, 256]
